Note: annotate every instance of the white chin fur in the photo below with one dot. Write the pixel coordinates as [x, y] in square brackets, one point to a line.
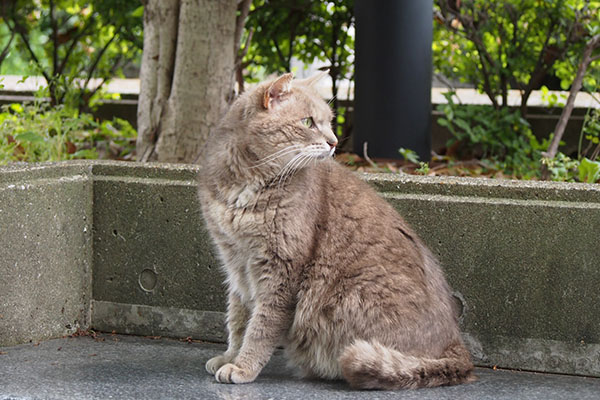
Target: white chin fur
[326, 154]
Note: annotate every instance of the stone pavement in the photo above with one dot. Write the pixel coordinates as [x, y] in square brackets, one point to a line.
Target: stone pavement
[129, 367]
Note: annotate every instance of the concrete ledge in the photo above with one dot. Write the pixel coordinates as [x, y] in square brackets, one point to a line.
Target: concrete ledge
[523, 258]
[134, 319]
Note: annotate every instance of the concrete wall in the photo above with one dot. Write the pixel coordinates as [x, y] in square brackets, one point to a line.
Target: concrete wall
[154, 272]
[523, 258]
[45, 251]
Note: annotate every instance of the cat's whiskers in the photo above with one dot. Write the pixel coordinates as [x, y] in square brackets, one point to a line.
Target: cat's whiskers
[317, 151]
[301, 164]
[278, 154]
[331, 100]
[309, 154]
[295, 167]
[289, 168]
[305, 162]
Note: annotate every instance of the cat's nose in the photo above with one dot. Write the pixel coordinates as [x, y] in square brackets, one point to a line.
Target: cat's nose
[332, 143]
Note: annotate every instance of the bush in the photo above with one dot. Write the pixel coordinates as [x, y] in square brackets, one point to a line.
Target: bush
[36, 132]
[499, 135]
[509, 44]
[503, 137]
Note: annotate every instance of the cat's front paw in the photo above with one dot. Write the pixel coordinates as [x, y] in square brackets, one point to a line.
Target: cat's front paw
[213, 365]
[230, 373]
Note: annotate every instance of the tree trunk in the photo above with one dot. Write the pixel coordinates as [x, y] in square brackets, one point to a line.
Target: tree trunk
[186, 76]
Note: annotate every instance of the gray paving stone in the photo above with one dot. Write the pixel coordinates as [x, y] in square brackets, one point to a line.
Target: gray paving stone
[129, 367]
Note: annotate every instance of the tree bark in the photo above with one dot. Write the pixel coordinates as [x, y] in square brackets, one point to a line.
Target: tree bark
[186, 77]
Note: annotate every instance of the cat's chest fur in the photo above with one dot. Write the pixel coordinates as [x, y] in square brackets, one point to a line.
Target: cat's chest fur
[250, 211]
[241, 211]
[246, 221]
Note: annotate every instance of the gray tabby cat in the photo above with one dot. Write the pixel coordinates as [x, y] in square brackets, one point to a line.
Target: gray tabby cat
[315, 260]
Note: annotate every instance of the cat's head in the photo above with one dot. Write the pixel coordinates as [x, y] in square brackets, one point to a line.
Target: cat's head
[285, 125]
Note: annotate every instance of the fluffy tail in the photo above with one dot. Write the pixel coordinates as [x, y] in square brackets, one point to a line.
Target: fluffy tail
[373, 366]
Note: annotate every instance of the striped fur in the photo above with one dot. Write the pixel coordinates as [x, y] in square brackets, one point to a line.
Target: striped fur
[374, 366]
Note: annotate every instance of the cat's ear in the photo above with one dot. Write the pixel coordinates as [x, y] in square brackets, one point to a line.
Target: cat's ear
[278, 90]
[314, 79]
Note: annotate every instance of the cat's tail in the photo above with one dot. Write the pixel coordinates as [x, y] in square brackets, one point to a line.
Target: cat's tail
[368, 365]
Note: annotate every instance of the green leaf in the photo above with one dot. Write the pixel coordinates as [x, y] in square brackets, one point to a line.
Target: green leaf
[443, 122]
[16, 107]
[138, 12]
[464, 125]
[85, 153]
[29, 136]
[409, 155]
[449, 112]
[589, 171]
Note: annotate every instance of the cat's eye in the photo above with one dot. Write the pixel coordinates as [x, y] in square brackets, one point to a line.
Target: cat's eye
[308, 122]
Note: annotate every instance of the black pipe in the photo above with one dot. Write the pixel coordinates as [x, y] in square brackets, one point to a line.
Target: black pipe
[393, 77]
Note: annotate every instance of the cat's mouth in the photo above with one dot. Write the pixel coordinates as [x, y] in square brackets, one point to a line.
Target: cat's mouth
[324, 156]
[326, 153]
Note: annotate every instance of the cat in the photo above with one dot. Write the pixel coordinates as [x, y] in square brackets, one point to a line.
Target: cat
[315, 260]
